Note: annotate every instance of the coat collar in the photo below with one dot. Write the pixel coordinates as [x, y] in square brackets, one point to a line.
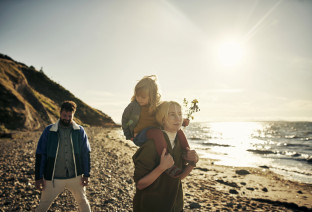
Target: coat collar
[54, 127]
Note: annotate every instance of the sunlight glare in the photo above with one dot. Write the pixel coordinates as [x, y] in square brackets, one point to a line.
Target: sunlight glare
[230, 53]
[239, 135]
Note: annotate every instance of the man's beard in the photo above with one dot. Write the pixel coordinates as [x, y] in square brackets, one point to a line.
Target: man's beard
[65, 123]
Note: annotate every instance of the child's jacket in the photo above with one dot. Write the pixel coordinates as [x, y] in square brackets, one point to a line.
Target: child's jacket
[130, 119]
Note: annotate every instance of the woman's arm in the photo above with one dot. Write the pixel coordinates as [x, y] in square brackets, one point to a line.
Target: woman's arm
[166, 161]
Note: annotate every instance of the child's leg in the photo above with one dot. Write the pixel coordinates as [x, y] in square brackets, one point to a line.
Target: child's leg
[141, 137]
[182, 139]
[184, 143]
[160, 143]
[157, 135]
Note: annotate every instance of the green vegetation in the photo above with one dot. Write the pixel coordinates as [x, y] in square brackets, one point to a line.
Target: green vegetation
[38, 98]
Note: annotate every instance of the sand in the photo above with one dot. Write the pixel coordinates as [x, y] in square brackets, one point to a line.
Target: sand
[208, 188]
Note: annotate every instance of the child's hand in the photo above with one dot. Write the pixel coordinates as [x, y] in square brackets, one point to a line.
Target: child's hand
[186, 122]
[166, 160]
[191, 155]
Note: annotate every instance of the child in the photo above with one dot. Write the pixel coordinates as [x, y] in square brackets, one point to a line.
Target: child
[138, 119]
[140, 113]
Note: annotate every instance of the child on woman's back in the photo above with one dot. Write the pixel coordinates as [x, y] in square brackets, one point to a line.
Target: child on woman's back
[138, 119]
[139, 115]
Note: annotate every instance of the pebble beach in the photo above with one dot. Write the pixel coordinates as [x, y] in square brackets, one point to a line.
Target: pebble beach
[208, 188]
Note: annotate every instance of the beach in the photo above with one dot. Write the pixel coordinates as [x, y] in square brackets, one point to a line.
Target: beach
[208, 188]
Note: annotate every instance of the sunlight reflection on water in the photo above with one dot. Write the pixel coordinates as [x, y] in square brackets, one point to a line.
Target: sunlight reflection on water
[253, 144]
[228, 143]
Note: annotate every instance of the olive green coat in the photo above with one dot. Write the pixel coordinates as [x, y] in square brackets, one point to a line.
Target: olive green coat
[165, 193]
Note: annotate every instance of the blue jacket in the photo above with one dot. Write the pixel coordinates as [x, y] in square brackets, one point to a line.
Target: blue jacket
[47, 150]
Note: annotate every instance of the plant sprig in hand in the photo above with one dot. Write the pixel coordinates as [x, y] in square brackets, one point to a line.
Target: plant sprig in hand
[192, 109]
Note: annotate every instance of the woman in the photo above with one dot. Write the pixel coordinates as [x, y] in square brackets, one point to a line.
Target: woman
[156, 190]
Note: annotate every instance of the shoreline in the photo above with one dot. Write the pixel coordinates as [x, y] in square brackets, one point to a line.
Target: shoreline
[208, 188]
[259, 184]
[282, 171]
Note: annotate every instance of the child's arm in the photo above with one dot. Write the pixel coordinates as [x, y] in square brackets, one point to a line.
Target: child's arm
[192, 158]
[186, 171]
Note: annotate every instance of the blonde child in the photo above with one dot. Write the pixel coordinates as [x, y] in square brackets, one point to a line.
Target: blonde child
[139, 115]
[138, 119]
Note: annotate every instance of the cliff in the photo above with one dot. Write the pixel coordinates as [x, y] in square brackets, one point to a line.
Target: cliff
[30, 100]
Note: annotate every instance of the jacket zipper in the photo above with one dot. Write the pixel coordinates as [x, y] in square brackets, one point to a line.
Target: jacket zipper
[58, 143]
[71, 141]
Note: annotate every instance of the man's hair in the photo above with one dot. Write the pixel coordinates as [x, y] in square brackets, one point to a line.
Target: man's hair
[69, 106]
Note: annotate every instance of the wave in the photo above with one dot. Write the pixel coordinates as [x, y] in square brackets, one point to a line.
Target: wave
[302, 172]
[196, 138]
[215, 144]
[309, 161]
[296, 137]
[262, 152]
[297, 145]
[288, 155]
[292, 136]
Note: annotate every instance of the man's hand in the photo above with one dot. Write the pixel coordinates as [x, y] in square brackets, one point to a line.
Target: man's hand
[84, 181]
[191, 155]
[166, 160]
[40, 184]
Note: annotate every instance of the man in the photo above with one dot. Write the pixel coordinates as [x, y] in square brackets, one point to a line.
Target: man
[63, 160]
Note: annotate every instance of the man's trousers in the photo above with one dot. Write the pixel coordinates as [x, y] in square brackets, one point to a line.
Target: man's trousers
[52, 191]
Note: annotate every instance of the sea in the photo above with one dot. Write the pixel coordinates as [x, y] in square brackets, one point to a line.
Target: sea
[283, 147]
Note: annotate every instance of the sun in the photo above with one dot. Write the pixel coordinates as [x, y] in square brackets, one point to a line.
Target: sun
[230, 53]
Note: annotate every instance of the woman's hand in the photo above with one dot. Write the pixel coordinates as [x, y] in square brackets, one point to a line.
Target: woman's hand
[191, 155]
[166, 160]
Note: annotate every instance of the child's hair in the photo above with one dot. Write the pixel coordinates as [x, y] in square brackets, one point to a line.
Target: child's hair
[148, 85]
[163, 109]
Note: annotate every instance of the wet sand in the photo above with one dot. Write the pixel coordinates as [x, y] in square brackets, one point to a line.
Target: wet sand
[208, 188]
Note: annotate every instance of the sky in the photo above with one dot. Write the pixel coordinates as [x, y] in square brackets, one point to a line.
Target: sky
[243, 60]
